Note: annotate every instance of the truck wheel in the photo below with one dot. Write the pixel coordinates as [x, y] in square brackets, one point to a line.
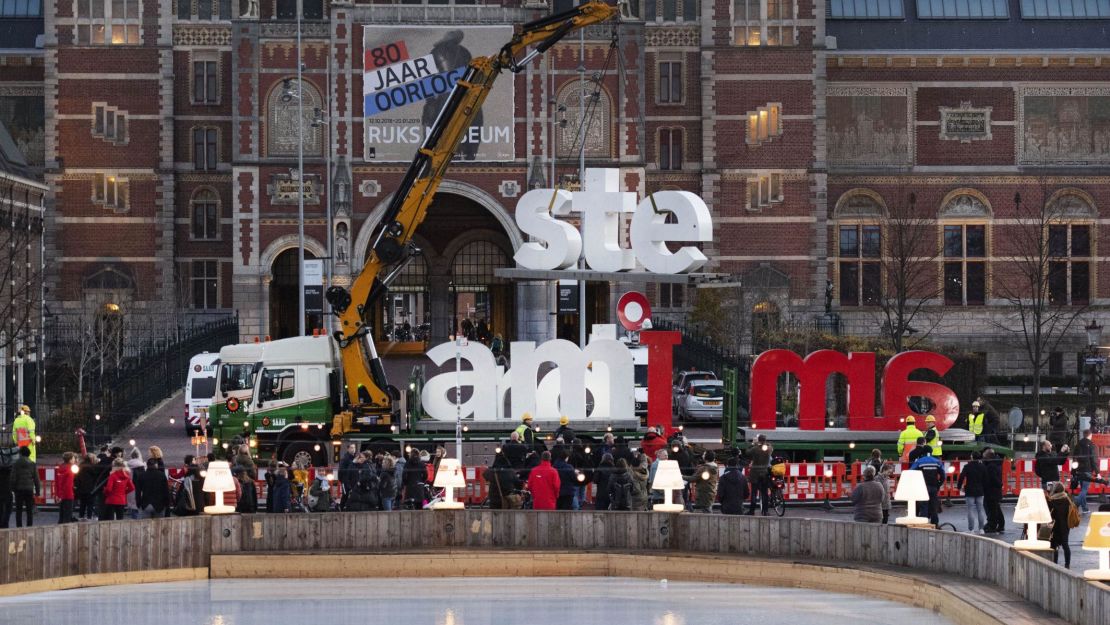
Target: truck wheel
[305, 451]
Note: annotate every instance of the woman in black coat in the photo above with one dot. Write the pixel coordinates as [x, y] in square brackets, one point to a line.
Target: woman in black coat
[601, 477]
[154, 489]
[84, 489]
[620, 487]
[414, 478]
[1059, 504]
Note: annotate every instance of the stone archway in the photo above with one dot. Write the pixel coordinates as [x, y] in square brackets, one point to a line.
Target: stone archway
[278, 264]
[447, 187]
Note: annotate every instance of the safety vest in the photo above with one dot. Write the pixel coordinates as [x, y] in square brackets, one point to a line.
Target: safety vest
[975, 422]
[935, 441]
[23, 433]
[908, 436]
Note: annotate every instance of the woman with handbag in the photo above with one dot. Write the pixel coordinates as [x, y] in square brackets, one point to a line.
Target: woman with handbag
[1060, 505]
[503, 485]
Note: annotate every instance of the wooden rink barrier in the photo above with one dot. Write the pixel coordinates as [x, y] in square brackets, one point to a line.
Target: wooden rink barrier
[987, 580]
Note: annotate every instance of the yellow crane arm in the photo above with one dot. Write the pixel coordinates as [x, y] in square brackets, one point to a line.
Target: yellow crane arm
[392, 243]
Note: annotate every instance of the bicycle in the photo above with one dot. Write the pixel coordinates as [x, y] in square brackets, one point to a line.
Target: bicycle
[777, 500]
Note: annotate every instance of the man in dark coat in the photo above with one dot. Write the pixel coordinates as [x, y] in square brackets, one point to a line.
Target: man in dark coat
[414, 478]
[992, 493]
[733, 488]
[6, 484]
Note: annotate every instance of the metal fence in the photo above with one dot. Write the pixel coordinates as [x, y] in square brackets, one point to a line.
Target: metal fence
[700, 351]
[149, 373]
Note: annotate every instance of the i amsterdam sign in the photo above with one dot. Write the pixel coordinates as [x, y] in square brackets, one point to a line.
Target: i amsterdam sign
[966, 123]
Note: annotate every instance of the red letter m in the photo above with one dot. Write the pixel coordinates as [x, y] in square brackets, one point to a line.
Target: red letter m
[812, 373]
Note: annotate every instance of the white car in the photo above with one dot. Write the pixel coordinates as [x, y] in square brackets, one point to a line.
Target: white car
[682, 379]
[702, 400]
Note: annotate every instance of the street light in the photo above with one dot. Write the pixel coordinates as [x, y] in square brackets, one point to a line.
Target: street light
[288, 94]
[1094, 334]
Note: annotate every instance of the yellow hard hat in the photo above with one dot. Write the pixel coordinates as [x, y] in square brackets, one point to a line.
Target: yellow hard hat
[527, 416]
[563, 420]
[930, 419]
[911, 420]
[24, 408]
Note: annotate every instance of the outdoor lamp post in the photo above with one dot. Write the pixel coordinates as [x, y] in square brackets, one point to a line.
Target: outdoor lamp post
[1098, 539]
[668, 478]
[1032, 509]
[218, 480]
[449, 477]
[911, 489]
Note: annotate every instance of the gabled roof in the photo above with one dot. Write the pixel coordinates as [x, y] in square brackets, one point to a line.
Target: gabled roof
[12, 160]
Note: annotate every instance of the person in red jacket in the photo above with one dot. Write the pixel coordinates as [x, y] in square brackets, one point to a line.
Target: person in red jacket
[63, 486]
[543, 482]
[652, 443]
[116, 489]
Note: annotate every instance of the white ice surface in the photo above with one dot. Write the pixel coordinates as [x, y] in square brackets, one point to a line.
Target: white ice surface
[455, 601]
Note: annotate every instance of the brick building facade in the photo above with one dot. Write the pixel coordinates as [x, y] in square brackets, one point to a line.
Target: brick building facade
[807, 127]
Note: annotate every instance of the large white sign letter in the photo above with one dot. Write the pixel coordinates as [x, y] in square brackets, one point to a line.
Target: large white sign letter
[650, 232]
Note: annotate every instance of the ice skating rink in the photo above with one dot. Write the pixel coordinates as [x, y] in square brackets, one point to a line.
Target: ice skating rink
[387, 597]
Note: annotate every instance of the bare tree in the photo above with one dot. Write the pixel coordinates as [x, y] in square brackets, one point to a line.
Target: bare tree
[909, 266]
[19, 275]
[1029, 280]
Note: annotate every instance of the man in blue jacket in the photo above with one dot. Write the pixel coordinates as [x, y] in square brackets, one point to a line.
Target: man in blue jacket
[568, 481]
[932, 469]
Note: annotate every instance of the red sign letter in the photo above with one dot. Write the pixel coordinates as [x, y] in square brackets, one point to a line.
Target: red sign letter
[897, 389]
[858, 367]
[660, 367]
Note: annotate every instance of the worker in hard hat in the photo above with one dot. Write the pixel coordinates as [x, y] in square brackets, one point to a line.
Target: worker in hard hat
[975, 420]
[909, 435]
[23, 430]
[565, 432]
[932, 435]
[525, 431]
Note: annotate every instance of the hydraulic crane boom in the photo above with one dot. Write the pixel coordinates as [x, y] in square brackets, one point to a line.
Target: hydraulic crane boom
[392, 246]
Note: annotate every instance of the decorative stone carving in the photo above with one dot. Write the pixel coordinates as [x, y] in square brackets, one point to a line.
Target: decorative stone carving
[1063, 126]
[370, 188]
[342, 243]
[509, 188]
[598, 114]
[1070, 203]
[251, 9]
[281, 127]
[283, 188]
[966, 123]
[859, 204]
[207, 35]
[341, 188]
[869, 126]
[673, 37]
[965, 203]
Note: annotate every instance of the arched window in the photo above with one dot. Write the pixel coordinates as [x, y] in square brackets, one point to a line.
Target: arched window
[964, 215]
[599, 121]
[474, 265]
[859, 231]
[281, 126]
[206, 215]
[1070, 246]
[109, 279]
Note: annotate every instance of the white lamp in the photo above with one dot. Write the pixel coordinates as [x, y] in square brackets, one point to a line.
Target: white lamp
[449, 477]
[1098, 539]
[668, 478]
[1032, 509]
[911, 489]
[218, 480]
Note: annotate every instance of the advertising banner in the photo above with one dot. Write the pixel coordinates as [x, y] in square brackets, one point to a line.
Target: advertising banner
[408, 73]
[313, 287]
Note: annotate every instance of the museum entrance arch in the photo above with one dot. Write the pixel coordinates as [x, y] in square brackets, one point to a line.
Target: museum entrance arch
[283, 296]
[452, 286]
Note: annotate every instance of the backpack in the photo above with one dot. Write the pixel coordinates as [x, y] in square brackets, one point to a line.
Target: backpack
[622, 499]
[8, 456]
[1073, 515]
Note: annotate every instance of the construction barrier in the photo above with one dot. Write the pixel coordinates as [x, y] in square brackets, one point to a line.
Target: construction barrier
[804, 481]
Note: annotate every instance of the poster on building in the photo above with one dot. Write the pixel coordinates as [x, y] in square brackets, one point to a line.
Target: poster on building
[568, 297]
[409, 71]
[313, 288]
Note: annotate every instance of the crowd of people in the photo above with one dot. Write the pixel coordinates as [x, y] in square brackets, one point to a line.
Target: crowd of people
[982, 484]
